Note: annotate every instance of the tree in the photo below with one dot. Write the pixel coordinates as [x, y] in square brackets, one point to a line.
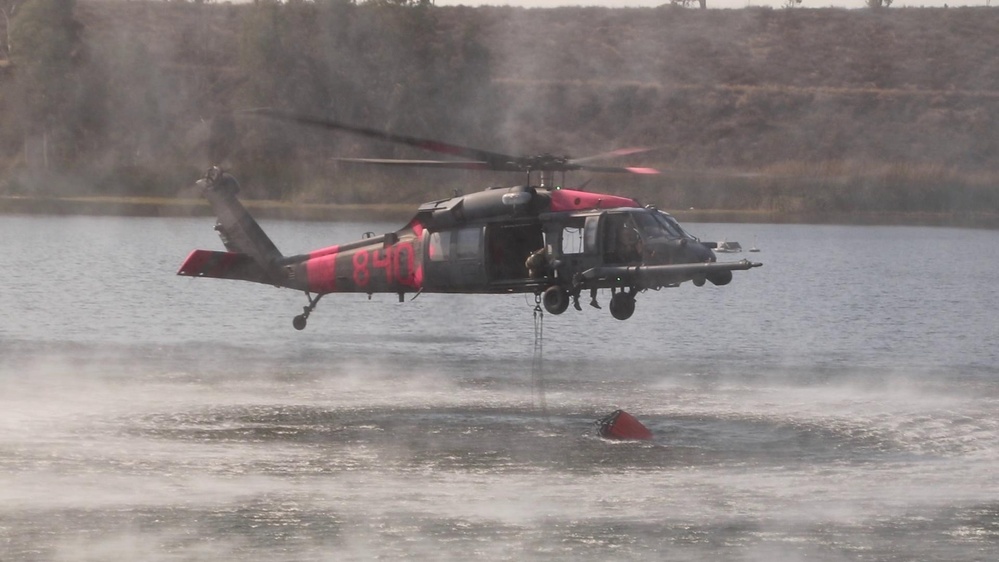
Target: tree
[877, 4]
[45, 38]
[45, 44]
[8, 8]
[687, 3]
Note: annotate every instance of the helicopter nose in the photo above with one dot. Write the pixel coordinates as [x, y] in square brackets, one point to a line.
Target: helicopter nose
[705, 254]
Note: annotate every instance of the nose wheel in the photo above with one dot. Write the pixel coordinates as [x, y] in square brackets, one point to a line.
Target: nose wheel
[300, 321]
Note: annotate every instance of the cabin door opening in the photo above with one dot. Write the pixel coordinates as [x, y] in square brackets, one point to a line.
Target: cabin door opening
[508, 247]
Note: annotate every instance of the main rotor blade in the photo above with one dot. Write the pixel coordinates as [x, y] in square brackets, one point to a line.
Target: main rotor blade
[493, 160]
[620, 170]
[682, 172]
[614, 153]
[460, 165]
[480, 159]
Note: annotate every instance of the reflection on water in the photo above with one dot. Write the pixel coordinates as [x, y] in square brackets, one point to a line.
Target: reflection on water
[836, 404]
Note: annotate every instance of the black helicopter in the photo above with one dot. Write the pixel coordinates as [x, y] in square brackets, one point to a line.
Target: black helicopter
[555, 243]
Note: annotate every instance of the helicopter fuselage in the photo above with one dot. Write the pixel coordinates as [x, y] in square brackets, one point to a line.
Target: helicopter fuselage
[554, 243]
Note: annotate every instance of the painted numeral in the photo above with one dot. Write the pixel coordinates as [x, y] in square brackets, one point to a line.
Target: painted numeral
[397, 261]
[383, 260]
[362, 275]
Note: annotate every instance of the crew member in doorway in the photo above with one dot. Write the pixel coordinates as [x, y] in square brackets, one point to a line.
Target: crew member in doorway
[629, 245]
[537, 264]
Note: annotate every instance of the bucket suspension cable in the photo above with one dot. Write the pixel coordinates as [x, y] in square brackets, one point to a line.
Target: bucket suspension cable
[537, 362]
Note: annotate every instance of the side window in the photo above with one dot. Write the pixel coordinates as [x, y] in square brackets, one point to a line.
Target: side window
[440, 246]
[572, 240]
[449, 245]
[469, 243]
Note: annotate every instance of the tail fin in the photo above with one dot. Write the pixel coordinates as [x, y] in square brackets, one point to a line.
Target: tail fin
[239, 231]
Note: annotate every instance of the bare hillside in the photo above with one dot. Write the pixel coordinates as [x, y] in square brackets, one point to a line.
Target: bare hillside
[831, 109]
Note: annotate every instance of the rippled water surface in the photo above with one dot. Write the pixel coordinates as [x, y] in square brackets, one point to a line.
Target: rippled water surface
[839, 403]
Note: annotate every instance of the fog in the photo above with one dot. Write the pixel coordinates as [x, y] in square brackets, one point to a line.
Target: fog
[119, 461]
[836, 404]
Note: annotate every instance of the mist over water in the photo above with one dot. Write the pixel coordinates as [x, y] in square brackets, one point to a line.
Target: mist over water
[836, 404]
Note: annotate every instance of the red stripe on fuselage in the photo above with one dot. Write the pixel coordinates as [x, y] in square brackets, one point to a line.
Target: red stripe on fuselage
[418, 230]
[571, 200]
[320, 273]
[320, 270]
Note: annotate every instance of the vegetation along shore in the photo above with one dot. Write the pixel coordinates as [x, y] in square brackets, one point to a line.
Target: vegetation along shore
[283, 210]
[799, 114]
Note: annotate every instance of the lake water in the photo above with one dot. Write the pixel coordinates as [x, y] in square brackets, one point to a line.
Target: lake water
[839, 403]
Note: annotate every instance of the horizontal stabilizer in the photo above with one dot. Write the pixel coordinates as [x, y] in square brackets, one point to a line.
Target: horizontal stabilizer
[223, 265]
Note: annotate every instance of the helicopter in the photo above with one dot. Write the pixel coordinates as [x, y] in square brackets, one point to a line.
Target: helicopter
[552, 242]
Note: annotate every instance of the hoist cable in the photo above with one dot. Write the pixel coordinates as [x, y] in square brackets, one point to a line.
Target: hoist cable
[537, 363]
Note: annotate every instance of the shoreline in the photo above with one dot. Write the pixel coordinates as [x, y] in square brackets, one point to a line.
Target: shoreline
[280, 210]
[165, 207]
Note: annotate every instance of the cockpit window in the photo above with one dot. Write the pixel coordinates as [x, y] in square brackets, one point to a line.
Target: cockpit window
[648, 226]
[671, 226]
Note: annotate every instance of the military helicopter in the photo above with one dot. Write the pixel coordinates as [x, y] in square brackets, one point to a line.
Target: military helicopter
[554, 243]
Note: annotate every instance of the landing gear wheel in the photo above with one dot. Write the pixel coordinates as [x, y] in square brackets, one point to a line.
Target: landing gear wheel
[555, 299]
[622, 306]
[302, 319]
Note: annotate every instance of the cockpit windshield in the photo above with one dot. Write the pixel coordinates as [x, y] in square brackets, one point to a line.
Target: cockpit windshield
[671, 226]
[647, 226]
